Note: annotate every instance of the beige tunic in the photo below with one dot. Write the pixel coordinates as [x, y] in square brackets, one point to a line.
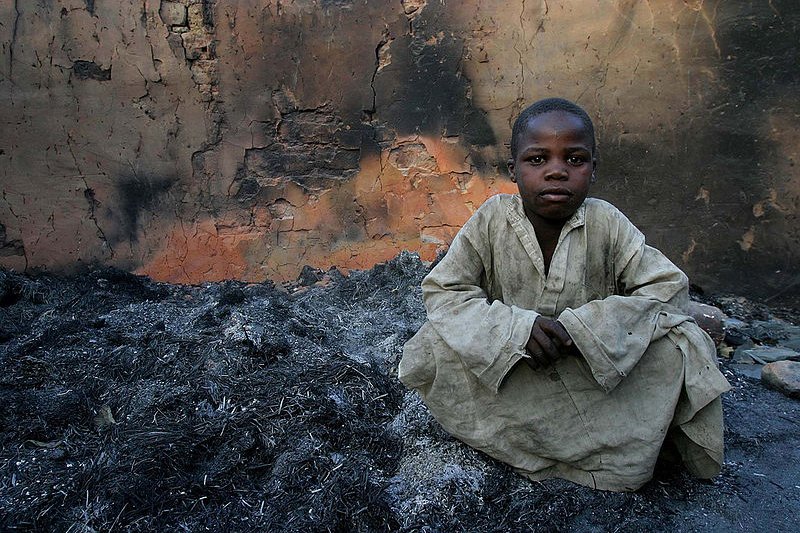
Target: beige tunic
[600, 419]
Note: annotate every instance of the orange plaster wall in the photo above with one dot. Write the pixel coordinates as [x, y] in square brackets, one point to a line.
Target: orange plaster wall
[394, 209]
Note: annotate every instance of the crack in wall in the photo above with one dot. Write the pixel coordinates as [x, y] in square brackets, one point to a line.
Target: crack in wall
[88, 194]
[412, 9]
[775, 10]
[14, 247]
[14, 28]
[380, 63]
[9, 205]
[712, 30]
[521, 86]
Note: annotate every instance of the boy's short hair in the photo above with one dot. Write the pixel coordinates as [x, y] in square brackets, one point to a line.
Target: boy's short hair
[545, 106]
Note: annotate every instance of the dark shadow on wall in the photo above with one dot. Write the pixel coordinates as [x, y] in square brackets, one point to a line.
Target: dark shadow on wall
[760, 77]
[719, 158]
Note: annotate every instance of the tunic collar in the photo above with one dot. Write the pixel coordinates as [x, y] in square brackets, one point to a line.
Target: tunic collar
[526, 234]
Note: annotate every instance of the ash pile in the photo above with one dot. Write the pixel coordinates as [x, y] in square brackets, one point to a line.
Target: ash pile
[130, 405]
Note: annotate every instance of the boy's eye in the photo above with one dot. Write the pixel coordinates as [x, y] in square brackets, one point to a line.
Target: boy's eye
[536, 159]
[576, 160]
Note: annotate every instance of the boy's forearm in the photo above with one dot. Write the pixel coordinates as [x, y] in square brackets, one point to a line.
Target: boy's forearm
[489, 336]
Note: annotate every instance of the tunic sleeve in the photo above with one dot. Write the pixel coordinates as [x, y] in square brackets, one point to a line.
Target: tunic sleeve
[489, 336]
[613, 333]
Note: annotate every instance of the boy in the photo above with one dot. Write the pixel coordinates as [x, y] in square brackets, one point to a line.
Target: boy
[557, 341]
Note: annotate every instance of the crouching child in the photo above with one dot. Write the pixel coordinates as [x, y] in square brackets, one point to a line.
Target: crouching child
[557, 340]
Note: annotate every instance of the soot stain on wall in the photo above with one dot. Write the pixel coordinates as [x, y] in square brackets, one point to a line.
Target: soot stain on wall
[424, 91]
[10, 247]
[326, 4]
[719, 145]
[315, 141]
[764, 53]
[426, 94]
[762, 48]
[137, 194]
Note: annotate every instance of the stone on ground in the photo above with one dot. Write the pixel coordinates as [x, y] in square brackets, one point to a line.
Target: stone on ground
[709, 318]
[740, 355]
[770, 354]
[750, 370]
[783, 376]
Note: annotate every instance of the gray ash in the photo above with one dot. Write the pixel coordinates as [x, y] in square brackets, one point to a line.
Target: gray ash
[140, 406]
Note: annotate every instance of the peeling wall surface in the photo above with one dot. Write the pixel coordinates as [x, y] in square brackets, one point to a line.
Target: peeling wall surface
[201, 140]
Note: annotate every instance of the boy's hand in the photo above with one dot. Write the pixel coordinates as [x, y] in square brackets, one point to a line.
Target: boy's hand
[549, 342]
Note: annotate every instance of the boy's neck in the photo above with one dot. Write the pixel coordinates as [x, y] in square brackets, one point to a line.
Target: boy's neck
[545, 227]
[547, 234]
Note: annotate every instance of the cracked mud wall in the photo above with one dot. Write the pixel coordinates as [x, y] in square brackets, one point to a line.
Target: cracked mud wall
[197, 140]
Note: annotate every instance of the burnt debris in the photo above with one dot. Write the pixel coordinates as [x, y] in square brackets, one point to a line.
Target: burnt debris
[140, 406]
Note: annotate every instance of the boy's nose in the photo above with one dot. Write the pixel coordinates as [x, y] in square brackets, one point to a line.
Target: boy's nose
[556, 172]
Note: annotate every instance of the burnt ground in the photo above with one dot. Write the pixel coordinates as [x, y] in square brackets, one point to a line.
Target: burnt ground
[130, 405]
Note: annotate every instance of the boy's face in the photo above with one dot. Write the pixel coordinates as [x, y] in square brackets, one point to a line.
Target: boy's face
[553, 167]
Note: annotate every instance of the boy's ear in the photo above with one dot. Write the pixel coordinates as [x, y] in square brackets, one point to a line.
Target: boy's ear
[510, 164]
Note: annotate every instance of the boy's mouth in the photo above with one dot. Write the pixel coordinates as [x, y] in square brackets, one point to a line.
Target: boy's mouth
[556, 194]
